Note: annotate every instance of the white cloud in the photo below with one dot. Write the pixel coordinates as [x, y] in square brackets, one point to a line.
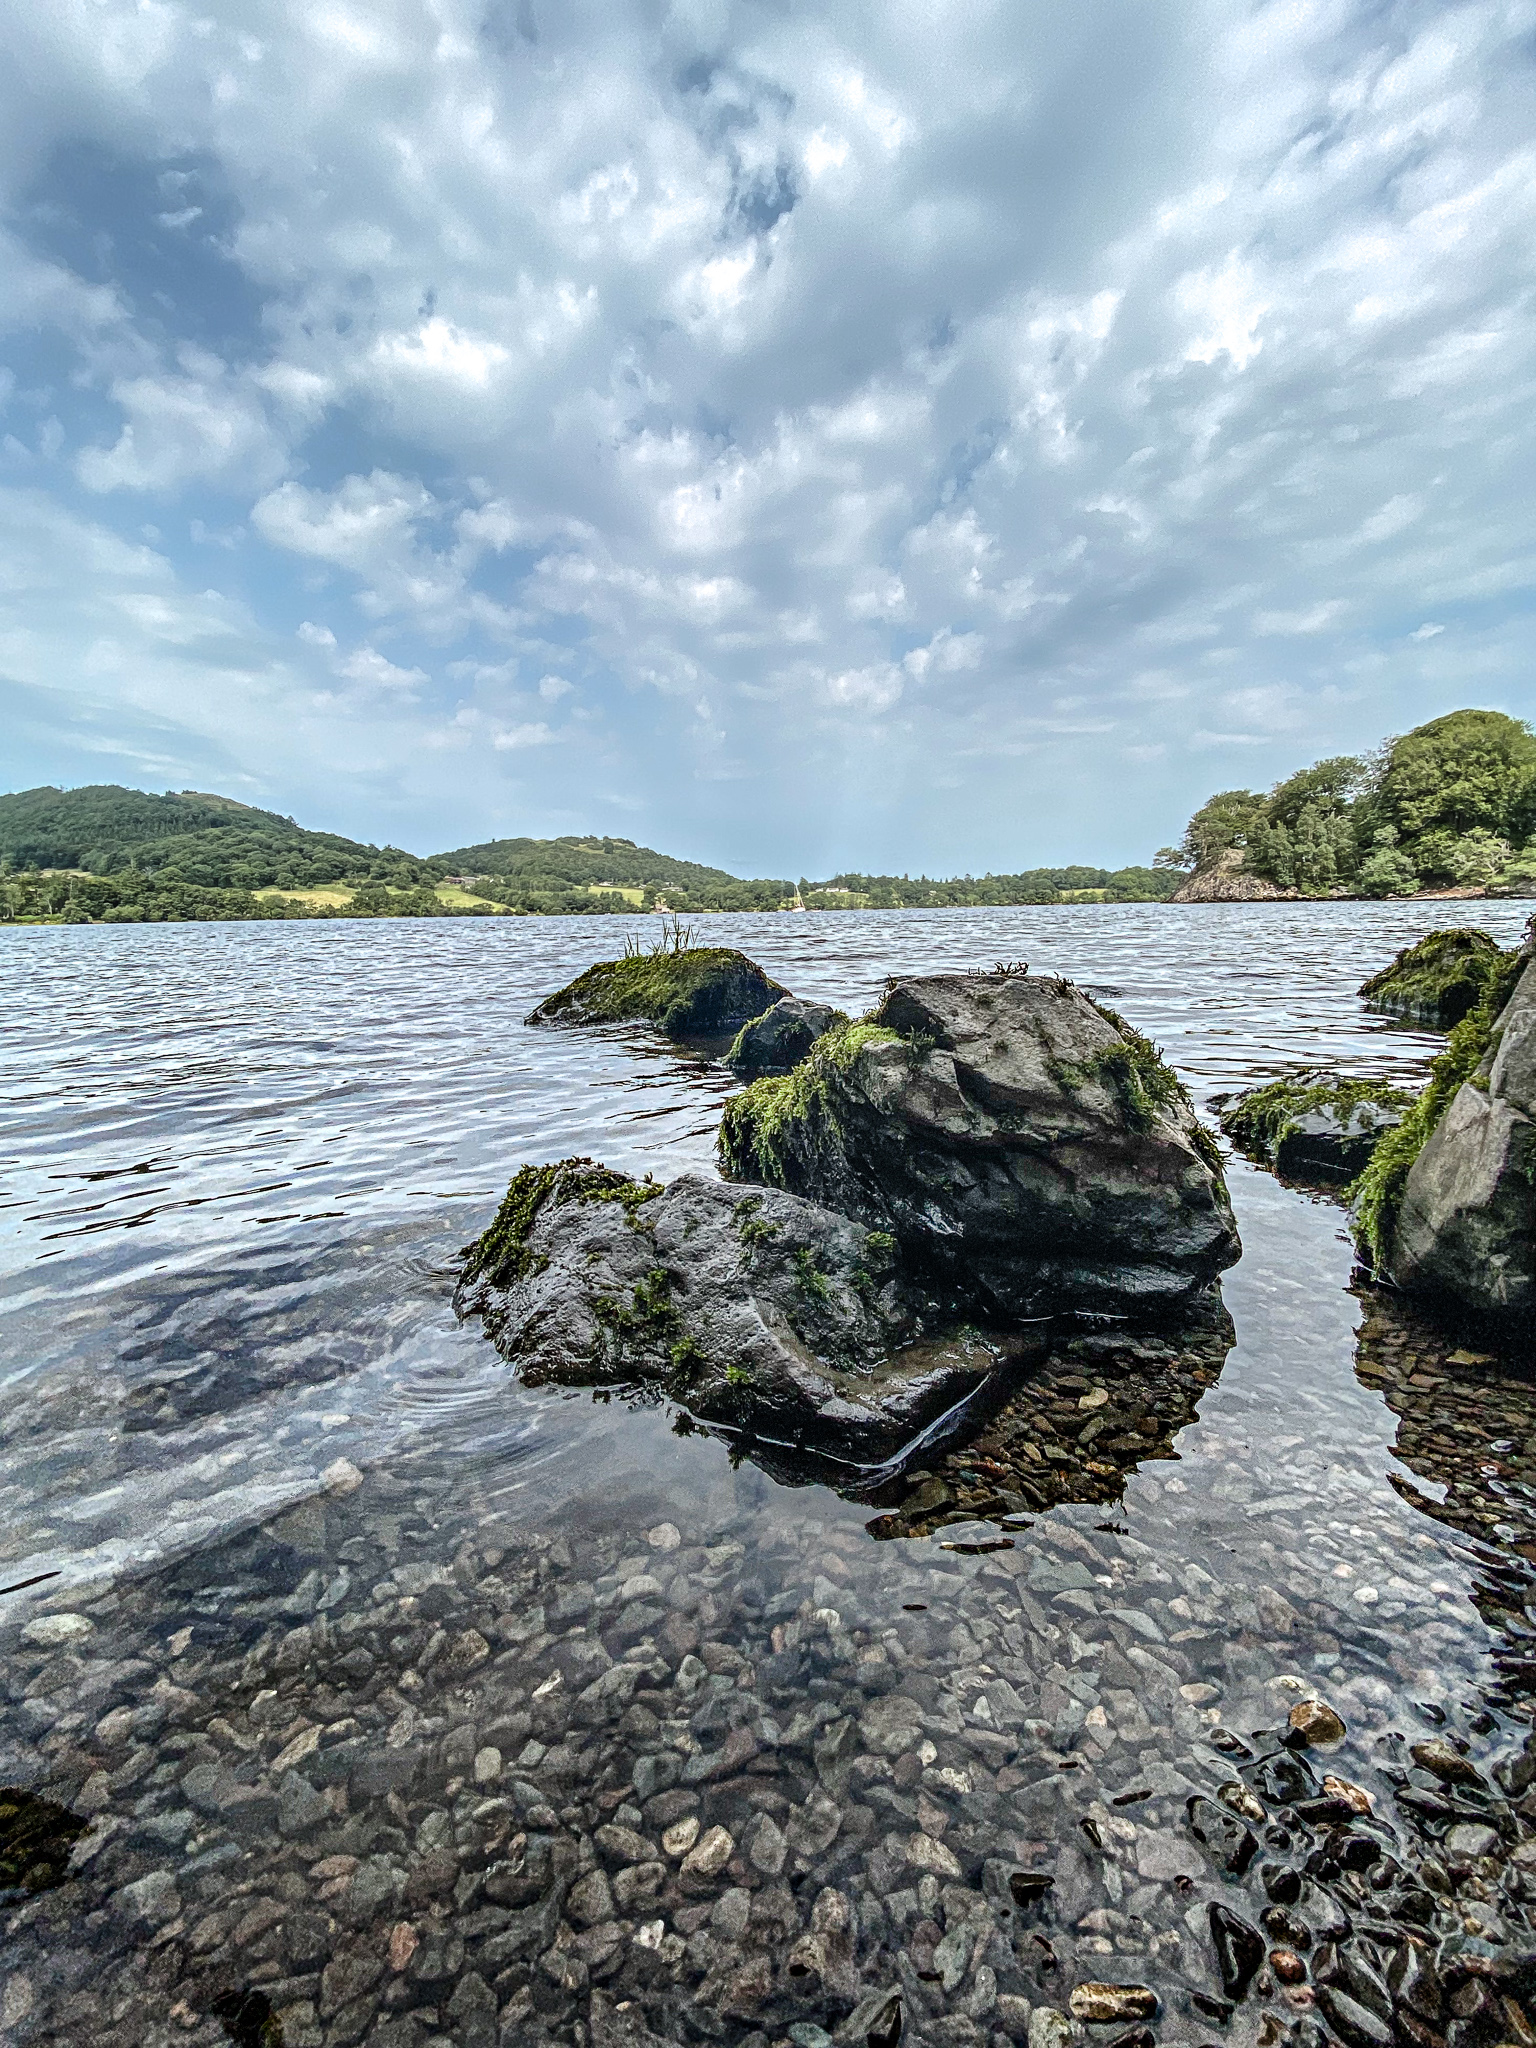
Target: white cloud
[852, 373]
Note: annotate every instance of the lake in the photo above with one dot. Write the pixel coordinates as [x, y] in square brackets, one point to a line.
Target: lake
[371, 1697]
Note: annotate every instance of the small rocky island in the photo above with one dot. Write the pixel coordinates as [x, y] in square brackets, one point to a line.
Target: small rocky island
[917, 1201]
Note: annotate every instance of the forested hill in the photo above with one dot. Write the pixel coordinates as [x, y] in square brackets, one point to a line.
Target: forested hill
[522, 871]
[207, 842]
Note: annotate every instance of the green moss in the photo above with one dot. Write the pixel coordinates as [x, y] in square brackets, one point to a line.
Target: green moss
[1377, 1195]
[809, 1277]
[1438, 981]
[1258, 1122]
[500, 1256]
[648, 1317]
[697, 990]
[755, 1124]
[1134, 1071]
[751, 1228]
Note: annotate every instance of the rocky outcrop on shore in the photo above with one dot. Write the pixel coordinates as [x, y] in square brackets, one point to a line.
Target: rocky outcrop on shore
[781, 1037]
[1436, 982]
[1313, 1125]
[757, 1311]
[1465, 1229]
[1020, 1143]
[1228, 881]
[690, 991]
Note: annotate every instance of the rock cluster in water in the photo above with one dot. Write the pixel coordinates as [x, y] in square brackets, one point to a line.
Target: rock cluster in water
[985, 1150]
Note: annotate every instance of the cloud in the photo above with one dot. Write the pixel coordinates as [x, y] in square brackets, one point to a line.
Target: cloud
[868, 433]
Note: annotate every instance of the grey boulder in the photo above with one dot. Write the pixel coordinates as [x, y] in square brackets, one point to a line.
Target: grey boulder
[757, 1311]
[1466, 1230]
[1022, 1144]
[781, 1037]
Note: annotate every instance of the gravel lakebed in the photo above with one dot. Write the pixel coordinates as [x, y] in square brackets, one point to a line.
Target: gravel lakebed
[400, 1767]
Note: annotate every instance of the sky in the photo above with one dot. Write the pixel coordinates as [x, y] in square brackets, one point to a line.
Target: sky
[910, 437]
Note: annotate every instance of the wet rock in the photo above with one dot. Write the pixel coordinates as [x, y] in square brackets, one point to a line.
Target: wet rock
[1009, 1135]
[149, 1901]
[1109, 2004]
[1240, 1950]
[1445, 1762]
[1226, 1841]
[37, 1838]
[760, 1307]
[692, 992]
[1352, 2022]
[1466, 1227]
[781, 1037]
[1313, 1124]
[1437, 980]
[1314, 1723]
[709, 1854]
[1049, 2028]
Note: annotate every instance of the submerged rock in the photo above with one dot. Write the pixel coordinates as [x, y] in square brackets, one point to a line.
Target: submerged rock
[1312, 1124]
[753, 1310]
[1466, 1227]
[691, 992]
[781, 1037]
[1437, 981]
[1018, 1141]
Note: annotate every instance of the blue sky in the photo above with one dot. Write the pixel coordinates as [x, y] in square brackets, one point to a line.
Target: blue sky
[944, 436]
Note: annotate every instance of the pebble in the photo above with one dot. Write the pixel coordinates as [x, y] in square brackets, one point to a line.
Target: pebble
[1314, 1722]
[1102, 2004]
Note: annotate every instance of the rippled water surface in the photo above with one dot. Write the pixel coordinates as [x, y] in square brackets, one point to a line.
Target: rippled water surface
[235, 1166]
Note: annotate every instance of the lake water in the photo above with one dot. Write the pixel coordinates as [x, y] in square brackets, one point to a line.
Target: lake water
[294, 1512]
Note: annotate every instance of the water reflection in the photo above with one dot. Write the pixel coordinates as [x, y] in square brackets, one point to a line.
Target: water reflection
[1466, 1430]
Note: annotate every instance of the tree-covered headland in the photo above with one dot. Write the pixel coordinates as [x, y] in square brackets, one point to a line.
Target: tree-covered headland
[1451, 804]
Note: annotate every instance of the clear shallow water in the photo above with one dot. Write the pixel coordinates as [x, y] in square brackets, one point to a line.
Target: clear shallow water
[236, 1165]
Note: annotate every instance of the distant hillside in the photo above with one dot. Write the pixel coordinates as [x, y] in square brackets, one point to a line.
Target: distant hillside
[108, 855]
[543, 874]
[1035, 885]
[207, 842]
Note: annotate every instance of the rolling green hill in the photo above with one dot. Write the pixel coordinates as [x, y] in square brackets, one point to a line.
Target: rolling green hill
[544, 874]
[207, 842]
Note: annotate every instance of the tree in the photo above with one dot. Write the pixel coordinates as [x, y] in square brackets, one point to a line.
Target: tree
[1468, 771]
[1224, 820]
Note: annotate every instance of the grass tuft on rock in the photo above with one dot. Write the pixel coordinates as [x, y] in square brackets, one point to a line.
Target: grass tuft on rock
[691, 992]
[1259, 1121]
[1438, 981]
[1377, 1196]
[754, 1124]
[500, 1257]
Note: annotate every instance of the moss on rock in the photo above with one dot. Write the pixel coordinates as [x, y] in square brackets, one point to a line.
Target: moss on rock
[1438, 981]
[694, 991]
[499, 1256]
[1377, 1195]
[754, 1123]
[1263, 1121]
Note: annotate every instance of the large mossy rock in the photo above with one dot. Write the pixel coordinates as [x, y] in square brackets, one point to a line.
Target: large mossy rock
[781, 1037]
[1021, 1144]
[698, 992]
[1314, 1125]
[1436, 982]
[1465, 1228]
[756, 1311]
